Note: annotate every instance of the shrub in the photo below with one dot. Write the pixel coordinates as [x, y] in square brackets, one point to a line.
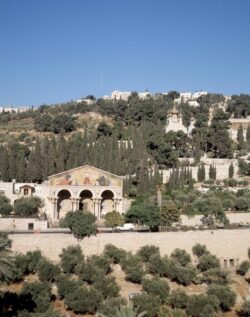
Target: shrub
[241, 203]
[245, 309]
[134, 274]
[199, 249]
[215, 276]
[108, 287]
[208, 261]
[70, 257]
[243, 268]
[181, 256]
[48, 271]
[102, 262]
[40, 296]
[110, 306]
[178, 299]
[198, 305]
[185, 275]
[146, 251]
[66, 286]
[156, 287]
[89, 273]
[224, 294]
[150, 304]
[114, 253]
[157, 265]
[83, 300]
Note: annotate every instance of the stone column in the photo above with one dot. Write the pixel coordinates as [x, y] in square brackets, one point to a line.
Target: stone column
[97, 208]
[53, 201]
[117, 204]
[75, 203]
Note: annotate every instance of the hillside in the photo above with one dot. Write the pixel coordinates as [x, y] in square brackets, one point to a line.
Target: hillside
[123, 137]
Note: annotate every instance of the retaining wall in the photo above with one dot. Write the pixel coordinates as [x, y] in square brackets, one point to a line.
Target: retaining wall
[225, 244]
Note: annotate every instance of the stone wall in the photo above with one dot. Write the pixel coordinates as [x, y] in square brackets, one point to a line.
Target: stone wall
[10, 224]
[222, 168]
[243, 218]
[226, 244]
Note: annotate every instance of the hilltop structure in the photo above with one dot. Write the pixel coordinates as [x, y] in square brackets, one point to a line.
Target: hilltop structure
[236, 123]
[175, 123]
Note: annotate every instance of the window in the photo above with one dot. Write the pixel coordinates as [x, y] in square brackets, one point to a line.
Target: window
[26, 191]
[2, 192]
[225, 264]
[31, 226]
[231, 262]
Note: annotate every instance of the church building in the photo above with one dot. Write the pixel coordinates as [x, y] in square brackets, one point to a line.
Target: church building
[84, 187]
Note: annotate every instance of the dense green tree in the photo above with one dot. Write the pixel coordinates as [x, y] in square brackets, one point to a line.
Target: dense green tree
[243, 268]
[156, 287]
[47, 271]
[115, 254]
[224, 294]
[169, 213]
[199, 249]
[144, 211]
[178, 299]
[113, 219]
[146, 251]
[181, 256]
[208, 261]
[5, 206]
[40, 294]
[70, 257]
[83, 300]
[27, 206]
[81, 223]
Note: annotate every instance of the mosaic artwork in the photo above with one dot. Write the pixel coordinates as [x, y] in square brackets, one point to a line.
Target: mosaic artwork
[85, 175]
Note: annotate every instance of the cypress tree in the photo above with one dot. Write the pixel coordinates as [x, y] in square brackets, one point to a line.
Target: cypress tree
[45, 157]
[201, 174]
[52, 157]
[212, 172]
[38, 162]
[240, 138]
[231, 171]
[5, 165]
[190, 180]
[61, 153]
[13, 160]
[21, 169]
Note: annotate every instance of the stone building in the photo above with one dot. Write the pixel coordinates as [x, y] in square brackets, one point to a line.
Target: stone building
[235, 124]
[175, 123]
[84, 187]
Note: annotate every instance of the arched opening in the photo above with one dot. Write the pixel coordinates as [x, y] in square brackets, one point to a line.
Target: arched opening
[64, 204]
[86, 201]
[107, 202]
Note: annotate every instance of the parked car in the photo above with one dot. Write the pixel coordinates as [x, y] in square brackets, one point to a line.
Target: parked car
[125, 227]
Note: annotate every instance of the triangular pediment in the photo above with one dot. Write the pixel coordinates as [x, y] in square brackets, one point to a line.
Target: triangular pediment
[85, 176]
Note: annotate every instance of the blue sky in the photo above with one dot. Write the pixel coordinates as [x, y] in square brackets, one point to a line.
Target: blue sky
[57, 50]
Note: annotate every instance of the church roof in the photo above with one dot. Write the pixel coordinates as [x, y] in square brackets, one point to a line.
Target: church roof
[82, 167]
